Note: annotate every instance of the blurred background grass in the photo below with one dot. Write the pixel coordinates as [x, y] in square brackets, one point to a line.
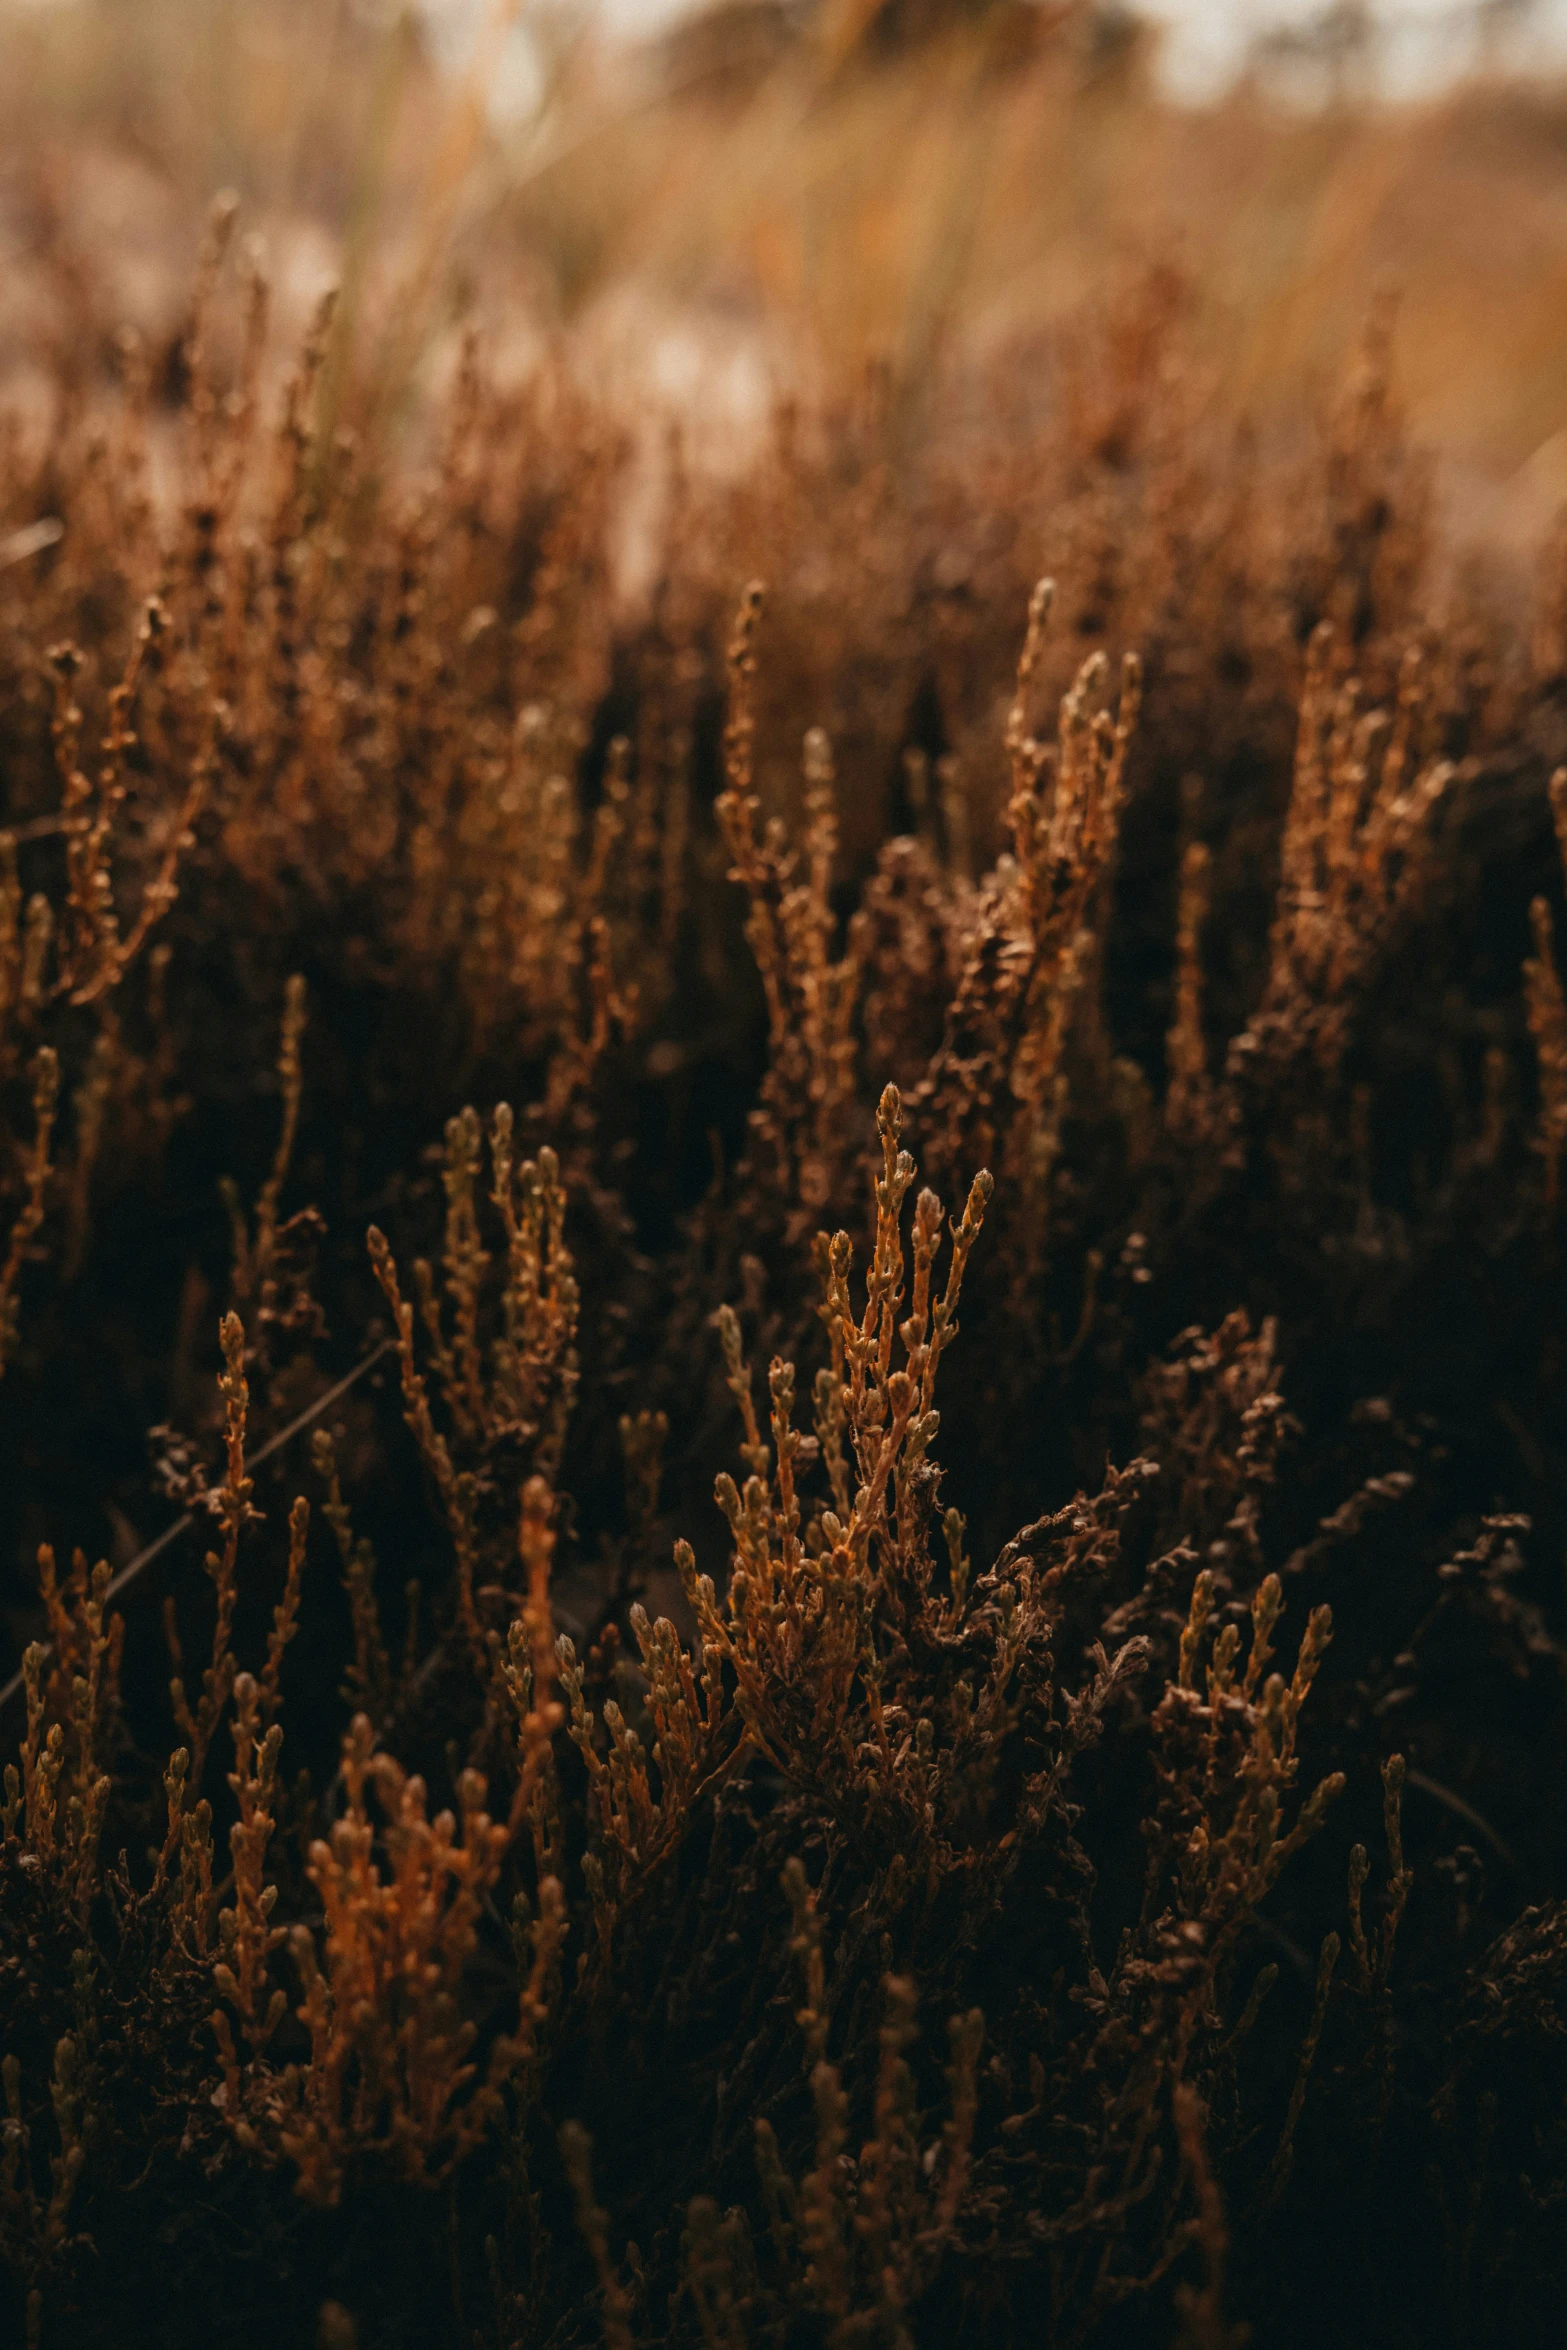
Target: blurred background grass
[759, 199]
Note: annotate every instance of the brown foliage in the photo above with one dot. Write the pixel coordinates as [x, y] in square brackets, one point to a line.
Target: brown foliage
[914, 1921]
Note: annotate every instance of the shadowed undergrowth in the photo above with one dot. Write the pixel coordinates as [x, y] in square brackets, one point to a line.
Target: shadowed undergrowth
[1065, 1850]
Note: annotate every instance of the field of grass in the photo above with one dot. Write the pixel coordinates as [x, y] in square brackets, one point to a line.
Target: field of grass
[783, 1106]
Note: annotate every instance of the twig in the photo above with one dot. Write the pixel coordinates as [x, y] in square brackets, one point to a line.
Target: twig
[160, 1543]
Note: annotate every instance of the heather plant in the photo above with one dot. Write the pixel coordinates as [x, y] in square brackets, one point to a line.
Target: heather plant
[71, 956]
[1069, 1835]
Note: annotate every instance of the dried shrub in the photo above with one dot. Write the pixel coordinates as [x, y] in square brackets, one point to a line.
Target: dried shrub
[930, 1898]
